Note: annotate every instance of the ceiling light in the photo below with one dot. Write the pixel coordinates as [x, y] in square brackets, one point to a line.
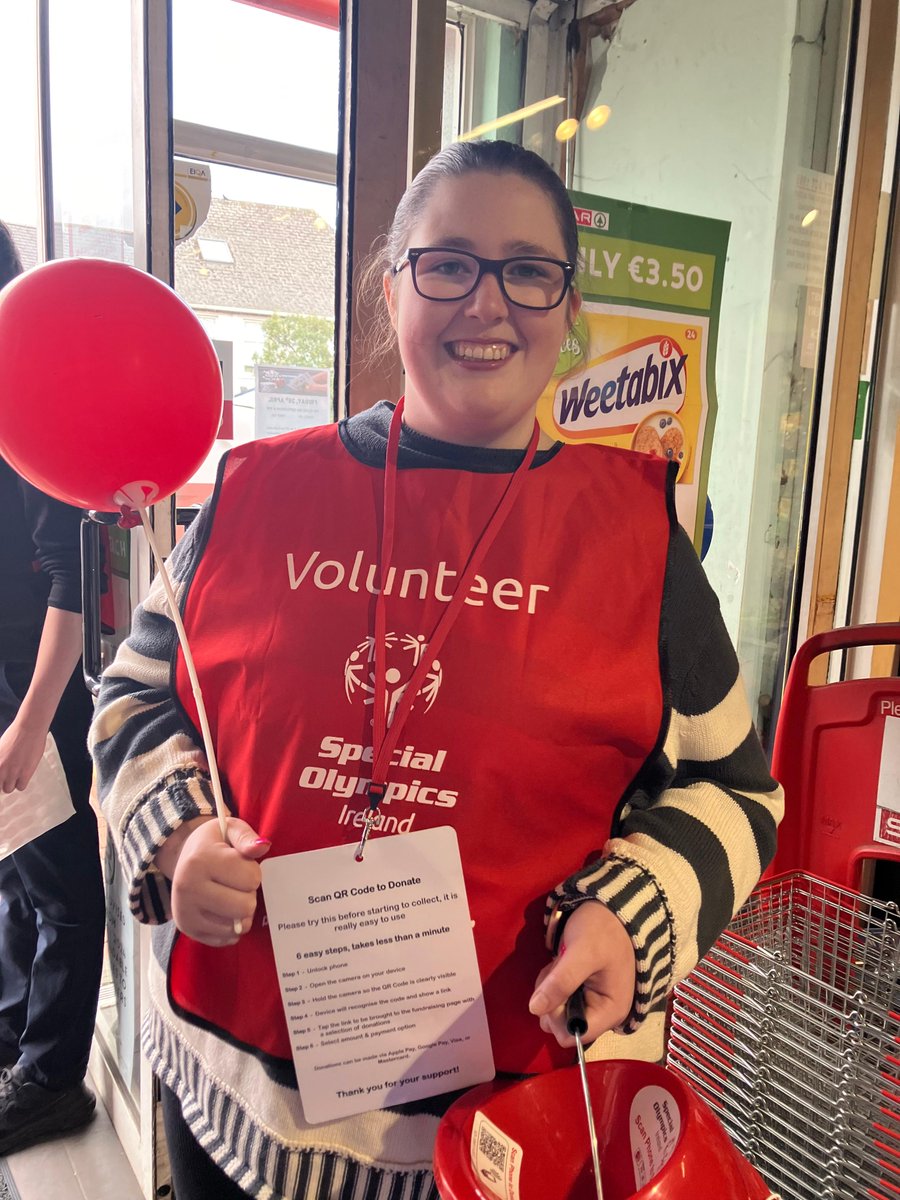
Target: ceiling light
[566, 130]
[598, 116]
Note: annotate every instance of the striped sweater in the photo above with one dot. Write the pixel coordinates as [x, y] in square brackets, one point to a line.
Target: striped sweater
[693, 835]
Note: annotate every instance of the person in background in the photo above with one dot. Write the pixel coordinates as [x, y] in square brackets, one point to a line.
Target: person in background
[598, 761]
[52, 909]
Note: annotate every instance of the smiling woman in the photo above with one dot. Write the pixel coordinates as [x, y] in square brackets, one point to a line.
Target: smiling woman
[476, 363]
[490, 242]
[584, 737]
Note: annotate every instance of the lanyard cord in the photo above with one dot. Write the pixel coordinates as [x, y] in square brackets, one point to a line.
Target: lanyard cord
[379, 716]
[387, 728]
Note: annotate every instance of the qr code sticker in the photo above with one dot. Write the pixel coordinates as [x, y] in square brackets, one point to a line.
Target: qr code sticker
[492, 1148]
[496, 1159]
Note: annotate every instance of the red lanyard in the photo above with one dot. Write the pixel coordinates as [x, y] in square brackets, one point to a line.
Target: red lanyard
[387, 728]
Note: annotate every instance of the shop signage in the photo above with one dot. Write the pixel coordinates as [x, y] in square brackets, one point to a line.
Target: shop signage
[638, 368]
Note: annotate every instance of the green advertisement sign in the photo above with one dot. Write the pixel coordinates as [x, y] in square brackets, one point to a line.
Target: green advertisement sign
[638, 369]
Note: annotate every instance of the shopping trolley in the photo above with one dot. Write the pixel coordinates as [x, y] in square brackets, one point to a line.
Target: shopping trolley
[827, 755]
[789, 1029]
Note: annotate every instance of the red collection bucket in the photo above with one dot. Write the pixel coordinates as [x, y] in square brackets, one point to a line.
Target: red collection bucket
[529, 1140]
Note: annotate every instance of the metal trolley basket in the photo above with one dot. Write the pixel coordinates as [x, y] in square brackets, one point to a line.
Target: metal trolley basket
[789, 1028]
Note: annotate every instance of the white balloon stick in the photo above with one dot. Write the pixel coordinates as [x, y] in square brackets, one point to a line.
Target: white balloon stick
[221, 810]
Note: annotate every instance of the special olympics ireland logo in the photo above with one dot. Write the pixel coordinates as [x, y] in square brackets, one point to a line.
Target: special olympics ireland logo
[403, 653]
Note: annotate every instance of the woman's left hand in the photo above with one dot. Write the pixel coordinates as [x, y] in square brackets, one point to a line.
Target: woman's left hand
[21, 749]
[596, 952]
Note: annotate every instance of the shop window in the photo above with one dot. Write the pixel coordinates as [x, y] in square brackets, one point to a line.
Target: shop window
[255, 244]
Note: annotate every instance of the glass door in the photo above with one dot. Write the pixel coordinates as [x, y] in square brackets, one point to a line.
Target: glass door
[231, 195]
[68, 191]
[673, 123]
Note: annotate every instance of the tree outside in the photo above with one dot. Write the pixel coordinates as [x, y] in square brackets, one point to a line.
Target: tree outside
[297, 341]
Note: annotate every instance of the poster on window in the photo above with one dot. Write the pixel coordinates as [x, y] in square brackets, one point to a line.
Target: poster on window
[638, 368]
[289, 398]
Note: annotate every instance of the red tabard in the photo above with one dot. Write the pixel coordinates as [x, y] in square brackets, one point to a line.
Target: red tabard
[544, 703]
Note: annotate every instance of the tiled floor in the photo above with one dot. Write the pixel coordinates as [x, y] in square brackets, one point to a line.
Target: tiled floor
[89, 1165]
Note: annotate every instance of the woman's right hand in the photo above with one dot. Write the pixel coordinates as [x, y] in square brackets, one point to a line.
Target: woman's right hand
[214, 883]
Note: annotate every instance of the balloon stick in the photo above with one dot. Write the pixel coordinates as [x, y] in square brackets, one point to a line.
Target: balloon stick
[221, 810]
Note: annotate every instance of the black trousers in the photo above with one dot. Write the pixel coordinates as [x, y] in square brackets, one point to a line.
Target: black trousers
[52, 913]
[194, 1174]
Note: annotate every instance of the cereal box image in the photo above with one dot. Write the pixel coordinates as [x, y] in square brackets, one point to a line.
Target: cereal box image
[638, 368]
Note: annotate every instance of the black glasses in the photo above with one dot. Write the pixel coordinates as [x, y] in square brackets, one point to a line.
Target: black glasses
[528, 281]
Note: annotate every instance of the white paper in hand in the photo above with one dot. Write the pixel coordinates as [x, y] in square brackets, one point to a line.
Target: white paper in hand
[378, 972]
[45, 803]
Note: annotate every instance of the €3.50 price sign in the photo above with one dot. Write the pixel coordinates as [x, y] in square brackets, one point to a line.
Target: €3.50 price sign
[638, 369]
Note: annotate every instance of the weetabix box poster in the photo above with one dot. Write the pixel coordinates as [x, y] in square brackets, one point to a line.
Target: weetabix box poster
[638, 369]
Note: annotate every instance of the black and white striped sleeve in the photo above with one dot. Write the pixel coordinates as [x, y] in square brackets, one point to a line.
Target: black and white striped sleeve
[151, 774]
[699, 826]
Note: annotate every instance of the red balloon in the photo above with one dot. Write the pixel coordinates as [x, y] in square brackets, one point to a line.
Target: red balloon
[110, 389]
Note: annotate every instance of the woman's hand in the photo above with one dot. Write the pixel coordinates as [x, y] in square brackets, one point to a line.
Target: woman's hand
[596, 951]
[21, 749]
[214, 883]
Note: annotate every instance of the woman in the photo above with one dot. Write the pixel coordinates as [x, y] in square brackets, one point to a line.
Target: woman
[586, 700]
[51, 889]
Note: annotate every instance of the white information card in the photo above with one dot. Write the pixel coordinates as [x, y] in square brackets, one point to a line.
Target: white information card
[378, 972]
